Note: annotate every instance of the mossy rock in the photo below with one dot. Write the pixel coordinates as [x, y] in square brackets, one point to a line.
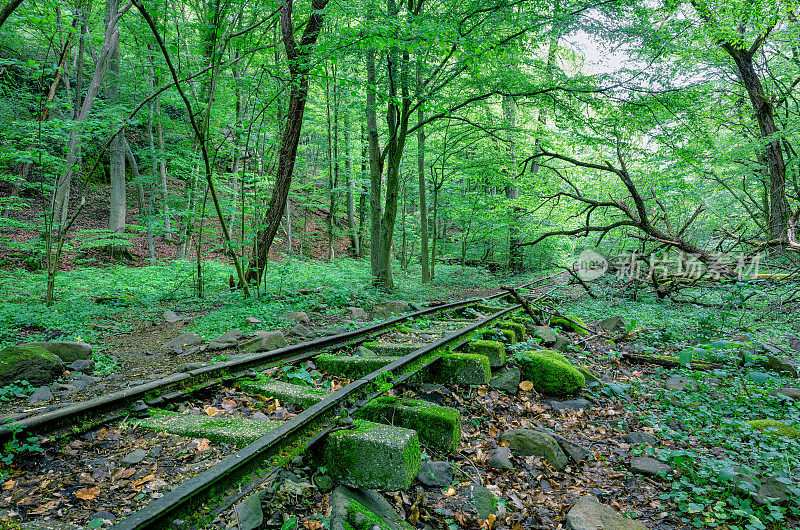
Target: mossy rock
[438, 427]
[566, 325]
[554, 355]
[590, 377]
[30, 363]
[516, 327]
[351, 367]
[494, 350]
[552, 376]
[465, 369]
[775, 428]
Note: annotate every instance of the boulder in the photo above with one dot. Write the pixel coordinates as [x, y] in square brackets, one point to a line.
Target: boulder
[435, 474]
[354, 508]
[82, 365]
[569, 323]
[298, 317]
[229, 339]
[576, 452]
[29, 363]
[793, 393]
[776, 489]
[389, 309]
[171, 317]
[500, 458]
[775, 429]
[637, 438]
[249, 514]
[615, 323]
[184, 339]
[649, 466]
[357, 313]
[252, 321]
[776, 364]
[507, 380]
[550, 375]
[361, 351]
[483, 500]
[264, 341]
[299, 330]
[43, 394]
[589, 514]
[66, 351]
[528, 442]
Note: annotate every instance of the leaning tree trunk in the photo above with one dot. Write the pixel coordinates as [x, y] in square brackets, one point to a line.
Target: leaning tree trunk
[116, 152]
[299, 58]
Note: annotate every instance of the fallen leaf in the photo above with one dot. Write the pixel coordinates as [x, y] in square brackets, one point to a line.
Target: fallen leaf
[203, 445]
[212, 411]
[136, 484]
[228, 404]
[87, 494]
[527, 386]
[122, 472]
[450, 491]
[8, 484]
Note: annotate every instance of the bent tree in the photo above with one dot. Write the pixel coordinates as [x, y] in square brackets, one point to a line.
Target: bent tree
[300, 63]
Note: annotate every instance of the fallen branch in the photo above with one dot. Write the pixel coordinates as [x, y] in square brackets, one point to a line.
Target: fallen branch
[524, 303]
[667, 361]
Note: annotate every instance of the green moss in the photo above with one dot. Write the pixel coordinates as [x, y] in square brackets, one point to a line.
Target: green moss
[438, 427]
[775, 428]
[488, 309]
[516, 327]
[494, 350]
[32, 363]
[566, 325]
[350, 366]
[554, 355]
[551, 376]
[465, 369]
[285, 392]
[239, 432]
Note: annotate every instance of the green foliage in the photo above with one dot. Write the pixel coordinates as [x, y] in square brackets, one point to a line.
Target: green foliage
[8, 392]
[299, 376]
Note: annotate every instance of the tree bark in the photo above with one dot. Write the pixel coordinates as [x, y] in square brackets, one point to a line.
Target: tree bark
[299, 58]
[424, 257]
[116, 152]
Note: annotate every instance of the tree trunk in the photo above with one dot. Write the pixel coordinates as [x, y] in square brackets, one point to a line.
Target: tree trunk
[299, 58]
[352, 229]
[423, 196]
[116, 151]
[512, 193]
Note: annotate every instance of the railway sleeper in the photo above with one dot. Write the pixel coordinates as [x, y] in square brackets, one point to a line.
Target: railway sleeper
[303, 396]
[236, 431]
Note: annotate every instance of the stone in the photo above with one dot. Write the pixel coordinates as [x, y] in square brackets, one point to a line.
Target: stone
[438, 427]
[436, 474]
[361, 351]
[252, 321]
[614, 323]
[43, 394]
[528, 442]
[636, 438]
[238, 432]
[299, 330]
[184, 339]
[499, 458]
[507, 380]
[794, 342]
[171, 316]
[679, 383]
[264, 341]
[775, 429]
[649, 466]
[29, 363]
[677, 425]
[259, 416]
[371, 509]
[372, 455]
[82, 365]
[324, 483]
[589, 514]
[66, 351]
[776, 364]
[298, 317]
[493, 350]
[106, 517]
[249, 514]
[305, 396]
[350, 366]
[483, 500]
[389, 309]
[570, 323]
[464, 369]
[229, 339]
[571, 404]
[133, 458]
[357, 313]
[551, 375]
[576, 452]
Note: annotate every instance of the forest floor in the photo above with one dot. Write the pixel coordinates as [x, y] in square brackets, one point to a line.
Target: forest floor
[692, 421]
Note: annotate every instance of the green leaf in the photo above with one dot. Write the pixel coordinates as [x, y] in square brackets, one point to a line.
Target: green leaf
[685, 357]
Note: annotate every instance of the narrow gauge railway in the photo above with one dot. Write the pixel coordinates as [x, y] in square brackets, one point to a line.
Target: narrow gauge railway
[425, 353]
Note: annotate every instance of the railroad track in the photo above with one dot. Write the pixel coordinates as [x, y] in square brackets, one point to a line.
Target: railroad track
[308, 429]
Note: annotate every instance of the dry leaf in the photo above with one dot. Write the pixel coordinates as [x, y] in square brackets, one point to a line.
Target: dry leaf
[450, 491]
[122, 472]
[228, 404]
[212, 411]
[203, 445]
[527, 386]
[136, 484]
[87, 494]
[8, 484]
